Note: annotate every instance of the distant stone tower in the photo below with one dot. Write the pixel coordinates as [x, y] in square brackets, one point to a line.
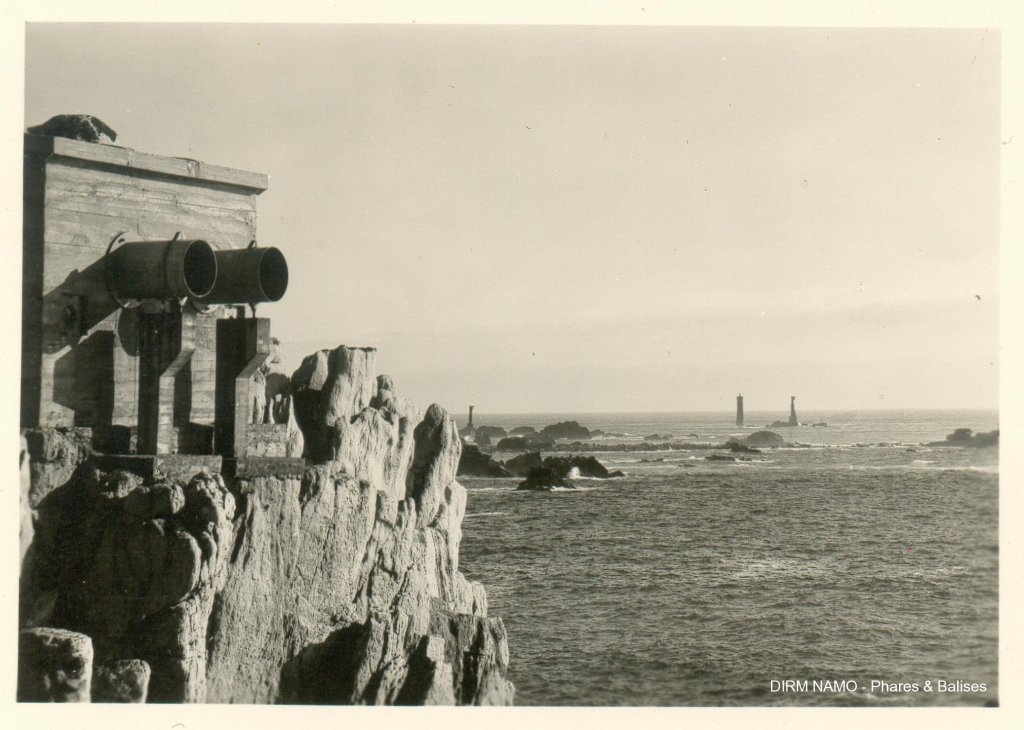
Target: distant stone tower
[468, 429]
[792, 411]
[739, 410]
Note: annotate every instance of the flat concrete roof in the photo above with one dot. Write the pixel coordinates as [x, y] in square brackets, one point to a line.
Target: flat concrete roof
[109, 155]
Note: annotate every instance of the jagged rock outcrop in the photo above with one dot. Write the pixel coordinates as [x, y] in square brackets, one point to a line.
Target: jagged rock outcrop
[339, 585]
[342, 578]
[329, 387]
[543, 479]
[135, 568]
[272, 399]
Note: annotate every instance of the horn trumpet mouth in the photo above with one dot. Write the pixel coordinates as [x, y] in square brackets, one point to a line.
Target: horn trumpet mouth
[162, 269]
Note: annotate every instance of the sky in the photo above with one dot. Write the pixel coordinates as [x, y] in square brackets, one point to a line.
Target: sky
[588, 219]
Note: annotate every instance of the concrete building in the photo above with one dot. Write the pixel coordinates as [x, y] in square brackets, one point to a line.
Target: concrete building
[137, 270]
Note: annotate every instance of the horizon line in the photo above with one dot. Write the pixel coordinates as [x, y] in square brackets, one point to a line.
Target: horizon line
[477, 412]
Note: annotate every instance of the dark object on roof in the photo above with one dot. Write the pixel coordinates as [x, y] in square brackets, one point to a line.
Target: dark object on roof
[84, 127]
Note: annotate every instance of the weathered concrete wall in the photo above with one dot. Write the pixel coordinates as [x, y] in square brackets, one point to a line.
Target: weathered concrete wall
[79, 351]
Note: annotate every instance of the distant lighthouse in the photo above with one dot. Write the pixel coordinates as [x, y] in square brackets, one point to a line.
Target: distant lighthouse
[792, 411]
[739, 410]
[468, 429]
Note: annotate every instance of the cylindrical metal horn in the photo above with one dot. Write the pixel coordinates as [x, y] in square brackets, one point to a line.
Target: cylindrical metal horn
[249, 276]
[162, 269]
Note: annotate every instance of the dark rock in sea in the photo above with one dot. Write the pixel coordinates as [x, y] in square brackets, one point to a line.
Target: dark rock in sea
[720, 457]
[819, 425]
[652, 461]
[566, 430]
[597, 433]
[523, 430]
[986, 439]
[520, 465]
[524, 443]
[616, 474]
[543, 478]
[483, 441]
[556, 470]
[780, 424]
[657, 437]
[737, 448]
[688, 466]
[765, 439]
[964, 437]
[492, 433]
[588, 466]
[475, 463]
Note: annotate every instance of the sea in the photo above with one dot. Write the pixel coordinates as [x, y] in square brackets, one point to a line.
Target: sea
[858, 567]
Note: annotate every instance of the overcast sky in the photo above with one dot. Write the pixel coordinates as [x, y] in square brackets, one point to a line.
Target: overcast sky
[595, 219]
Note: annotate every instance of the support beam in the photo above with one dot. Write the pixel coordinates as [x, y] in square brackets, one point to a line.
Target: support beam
[166, 346]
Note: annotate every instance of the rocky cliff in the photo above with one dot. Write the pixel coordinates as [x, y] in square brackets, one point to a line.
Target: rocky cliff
[336, 583]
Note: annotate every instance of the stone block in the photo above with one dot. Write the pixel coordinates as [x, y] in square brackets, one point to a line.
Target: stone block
[54, 665]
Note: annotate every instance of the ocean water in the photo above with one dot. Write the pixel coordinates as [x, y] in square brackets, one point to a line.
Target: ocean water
[862, 556]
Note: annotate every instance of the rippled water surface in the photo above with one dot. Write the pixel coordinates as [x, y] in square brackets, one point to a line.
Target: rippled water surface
[691, 582]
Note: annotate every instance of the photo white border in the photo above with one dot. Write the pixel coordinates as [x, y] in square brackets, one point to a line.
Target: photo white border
[1006, 15]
